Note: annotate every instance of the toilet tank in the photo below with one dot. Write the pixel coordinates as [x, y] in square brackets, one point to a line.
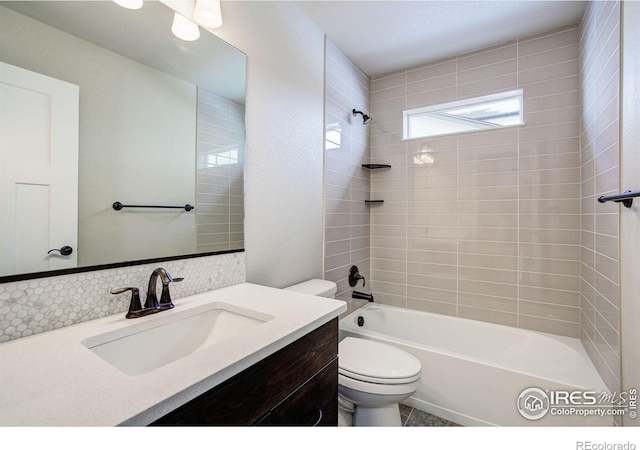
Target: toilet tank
[319, 288]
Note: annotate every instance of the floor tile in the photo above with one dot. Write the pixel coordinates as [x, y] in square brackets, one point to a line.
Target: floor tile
[412, 417]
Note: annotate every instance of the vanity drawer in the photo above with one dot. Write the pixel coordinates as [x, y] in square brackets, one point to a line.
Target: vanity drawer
[251, 395]
[312, 404]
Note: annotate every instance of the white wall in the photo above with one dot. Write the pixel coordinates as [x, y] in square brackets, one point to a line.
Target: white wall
[284, 120]
[630, 218]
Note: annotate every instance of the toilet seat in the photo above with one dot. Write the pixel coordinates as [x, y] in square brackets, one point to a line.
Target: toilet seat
[375, 380]
[356, 390]
[375, 362]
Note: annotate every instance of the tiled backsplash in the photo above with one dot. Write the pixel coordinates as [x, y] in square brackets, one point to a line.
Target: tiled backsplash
[489, 227]
[42, 304]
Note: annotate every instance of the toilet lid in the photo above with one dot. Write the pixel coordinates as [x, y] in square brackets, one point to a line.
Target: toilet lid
[370, 361]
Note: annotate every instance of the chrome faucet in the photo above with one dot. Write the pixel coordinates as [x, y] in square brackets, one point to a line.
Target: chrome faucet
[151, 305]
[165, 296]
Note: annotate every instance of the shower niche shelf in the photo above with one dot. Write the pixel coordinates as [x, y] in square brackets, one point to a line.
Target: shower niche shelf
[376, 166]
[373, 167]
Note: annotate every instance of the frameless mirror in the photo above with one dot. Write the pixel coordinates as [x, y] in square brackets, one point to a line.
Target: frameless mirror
[159, 122]
[465, 116]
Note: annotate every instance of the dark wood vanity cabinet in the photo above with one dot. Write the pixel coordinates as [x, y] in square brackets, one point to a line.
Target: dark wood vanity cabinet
[297, 385]
[313, 403]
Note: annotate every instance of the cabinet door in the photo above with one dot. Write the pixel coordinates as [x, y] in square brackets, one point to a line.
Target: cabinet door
[314, 403]
[248, 397]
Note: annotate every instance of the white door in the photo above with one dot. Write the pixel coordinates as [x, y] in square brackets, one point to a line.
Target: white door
[38, 171]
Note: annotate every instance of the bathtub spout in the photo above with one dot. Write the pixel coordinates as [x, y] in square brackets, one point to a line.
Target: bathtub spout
[362, 296]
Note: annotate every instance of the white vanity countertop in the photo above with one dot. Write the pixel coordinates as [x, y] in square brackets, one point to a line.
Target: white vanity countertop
[52, 379]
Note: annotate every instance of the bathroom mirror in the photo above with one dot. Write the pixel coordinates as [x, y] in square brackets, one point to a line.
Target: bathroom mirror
[161, 123]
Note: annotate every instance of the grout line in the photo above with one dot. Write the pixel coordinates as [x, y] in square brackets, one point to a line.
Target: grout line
[457, 219]
[518, 237]
[406, 202]
[406, 421]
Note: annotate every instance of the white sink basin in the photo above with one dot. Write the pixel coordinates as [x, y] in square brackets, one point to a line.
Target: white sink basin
[169, 336]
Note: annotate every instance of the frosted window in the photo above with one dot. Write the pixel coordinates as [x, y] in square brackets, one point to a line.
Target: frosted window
[463, 116]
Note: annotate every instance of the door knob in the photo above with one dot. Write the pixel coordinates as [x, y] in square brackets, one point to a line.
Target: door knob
[64, 251]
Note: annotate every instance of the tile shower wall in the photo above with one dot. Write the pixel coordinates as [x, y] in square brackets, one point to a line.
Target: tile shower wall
[346, 183]
[483, 225]
[600, 76]
[220, 174]
[43, 304]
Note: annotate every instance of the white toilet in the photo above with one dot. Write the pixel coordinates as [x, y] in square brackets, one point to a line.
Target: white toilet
[372, 377]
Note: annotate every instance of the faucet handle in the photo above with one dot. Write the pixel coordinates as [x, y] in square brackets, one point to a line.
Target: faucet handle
[135, 306]
[354, 277]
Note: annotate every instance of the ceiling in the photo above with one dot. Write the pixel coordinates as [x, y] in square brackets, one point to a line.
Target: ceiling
[381, 37]
[145, 36]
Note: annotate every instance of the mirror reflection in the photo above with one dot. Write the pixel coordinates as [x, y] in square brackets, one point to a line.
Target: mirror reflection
[103, 104]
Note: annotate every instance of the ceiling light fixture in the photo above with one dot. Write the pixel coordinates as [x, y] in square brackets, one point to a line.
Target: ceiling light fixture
[130, 4]
[184, 29]
[208, 13]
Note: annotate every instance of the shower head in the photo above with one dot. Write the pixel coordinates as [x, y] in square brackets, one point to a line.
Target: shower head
[365, 119]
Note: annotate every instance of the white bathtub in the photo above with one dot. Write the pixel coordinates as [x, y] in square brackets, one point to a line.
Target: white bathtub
[473, 372]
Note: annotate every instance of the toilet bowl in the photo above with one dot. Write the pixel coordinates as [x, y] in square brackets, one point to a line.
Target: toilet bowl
[376, 377]
[373, 378]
